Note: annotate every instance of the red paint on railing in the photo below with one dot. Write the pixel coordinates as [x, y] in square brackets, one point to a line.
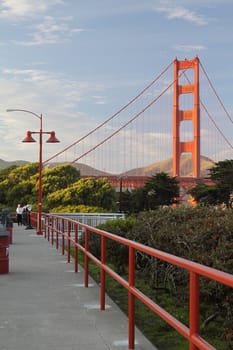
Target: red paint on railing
[102, 273]
[191, 333]
[75, 249]
[33, 219]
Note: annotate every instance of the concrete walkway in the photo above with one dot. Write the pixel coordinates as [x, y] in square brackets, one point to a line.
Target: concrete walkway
[44, 305]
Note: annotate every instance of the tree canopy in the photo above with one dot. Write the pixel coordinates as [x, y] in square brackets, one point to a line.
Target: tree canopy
[62, 188]
[86, 192]
[222, 190]
[159, 190]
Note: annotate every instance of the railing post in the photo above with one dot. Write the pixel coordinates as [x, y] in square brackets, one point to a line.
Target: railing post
[68, 243]
[102, 273]
[57, 229]
[194, 308]
[131, 299]
[75, 248]
[63, 237]
[52, 233]
[86, 260]
[45, 226]
[48, 236]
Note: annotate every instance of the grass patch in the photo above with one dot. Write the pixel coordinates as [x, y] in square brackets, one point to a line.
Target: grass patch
[153, 327]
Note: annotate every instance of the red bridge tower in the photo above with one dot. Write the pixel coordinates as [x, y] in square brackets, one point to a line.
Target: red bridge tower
[181, 116]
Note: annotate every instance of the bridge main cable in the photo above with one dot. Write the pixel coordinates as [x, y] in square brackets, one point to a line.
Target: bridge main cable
[124, 125]
[112, 117]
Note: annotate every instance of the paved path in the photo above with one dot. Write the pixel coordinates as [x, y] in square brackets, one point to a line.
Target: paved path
[44, 305]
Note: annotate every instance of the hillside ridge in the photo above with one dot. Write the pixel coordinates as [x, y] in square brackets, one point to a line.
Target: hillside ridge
[149, 170]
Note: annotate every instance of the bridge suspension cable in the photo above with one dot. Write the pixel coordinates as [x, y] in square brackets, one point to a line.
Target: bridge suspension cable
[215, 92]
[112, 117]
[131, 144]
[124, 125]
[216, 126]
[209, 115]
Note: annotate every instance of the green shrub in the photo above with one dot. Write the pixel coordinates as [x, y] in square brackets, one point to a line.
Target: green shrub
[204, 235]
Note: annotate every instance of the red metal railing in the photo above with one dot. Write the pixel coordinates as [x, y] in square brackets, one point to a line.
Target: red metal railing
[57, 226]
[33, 219]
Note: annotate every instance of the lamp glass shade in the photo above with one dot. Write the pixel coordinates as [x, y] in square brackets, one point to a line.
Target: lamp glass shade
[28, 137]
[52, 138]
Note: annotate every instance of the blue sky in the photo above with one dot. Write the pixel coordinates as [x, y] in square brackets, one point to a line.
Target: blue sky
[77, 62]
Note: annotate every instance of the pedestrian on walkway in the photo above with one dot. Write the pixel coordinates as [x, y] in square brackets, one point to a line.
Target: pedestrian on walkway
[19, 214]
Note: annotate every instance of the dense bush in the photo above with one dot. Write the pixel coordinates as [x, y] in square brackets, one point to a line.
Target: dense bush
[204, 235]
[117, 254]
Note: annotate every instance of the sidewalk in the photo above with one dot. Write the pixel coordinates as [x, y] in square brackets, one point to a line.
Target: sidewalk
[44, 305]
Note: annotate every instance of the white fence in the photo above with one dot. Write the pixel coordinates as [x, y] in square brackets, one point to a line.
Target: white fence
[92, 219]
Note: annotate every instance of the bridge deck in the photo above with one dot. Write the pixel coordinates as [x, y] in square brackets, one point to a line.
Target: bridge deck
[44, 305]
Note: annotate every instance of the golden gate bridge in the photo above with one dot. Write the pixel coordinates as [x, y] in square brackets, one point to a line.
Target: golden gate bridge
[177, 124]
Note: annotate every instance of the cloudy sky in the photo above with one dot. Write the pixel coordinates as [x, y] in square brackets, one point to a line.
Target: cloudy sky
[77, 62]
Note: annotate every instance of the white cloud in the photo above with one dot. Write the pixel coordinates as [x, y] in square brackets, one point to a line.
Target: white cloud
[99, 100]
[189, 48]
[17, 9]
[54, 95]
[44, 82]
[50, 31]
[183, 14]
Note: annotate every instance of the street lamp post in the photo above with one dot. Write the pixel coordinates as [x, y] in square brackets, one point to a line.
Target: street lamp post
[29, 138]
[121, 192]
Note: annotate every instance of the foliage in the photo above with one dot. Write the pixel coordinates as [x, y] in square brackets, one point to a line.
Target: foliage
[17, 184]
[137, 200]
[222, 191]
[4, 173]
[160, 189]
[206, 195]
[125, 197]
[59, 177]
[204, 235]
[222, 172]
[116, 253]
[62, 188]
[23, 173]
[87, 192]
[78, 209]
[25, 189]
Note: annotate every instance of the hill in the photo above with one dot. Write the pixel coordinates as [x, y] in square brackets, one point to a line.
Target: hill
[84, 169]
[5, 164]
[166, 167]
[152, 169]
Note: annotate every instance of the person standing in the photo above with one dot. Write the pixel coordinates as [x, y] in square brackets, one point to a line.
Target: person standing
[19, 214]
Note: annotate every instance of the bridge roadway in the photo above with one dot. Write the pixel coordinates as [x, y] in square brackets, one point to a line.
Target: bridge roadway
[45, 306]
